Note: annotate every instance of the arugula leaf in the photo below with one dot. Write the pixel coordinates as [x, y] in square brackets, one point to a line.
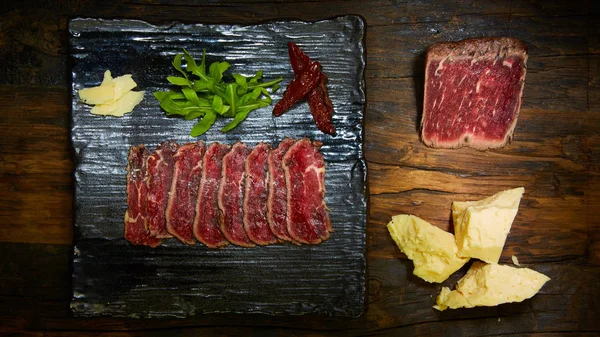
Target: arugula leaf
[239, 117]
[161, 95]
[191, 95]
[256, 77]
[177, 64]
[202, 67]
[231, 98]
[190, 63]
[218, 106]
[242, 83]
[205, 95]
[179, 81]
[195, 114]
[204, 124]
[217, 69]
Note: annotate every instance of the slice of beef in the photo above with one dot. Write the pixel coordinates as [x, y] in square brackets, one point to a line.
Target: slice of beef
[255, 196]
[135, 216]
[207, 227]
[181, 208]
[473, 92]
[307, 217]
[277, 200]
[160, 174]
[231, 195]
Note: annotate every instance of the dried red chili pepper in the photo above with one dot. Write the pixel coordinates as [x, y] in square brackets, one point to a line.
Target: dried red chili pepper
[321, 106]
[298, 88]
[318, 99]
[298, 59]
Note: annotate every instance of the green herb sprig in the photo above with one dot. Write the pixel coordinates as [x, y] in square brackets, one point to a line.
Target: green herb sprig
[205, 95]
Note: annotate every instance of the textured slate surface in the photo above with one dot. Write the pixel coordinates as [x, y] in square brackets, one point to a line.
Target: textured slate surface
[112, 277]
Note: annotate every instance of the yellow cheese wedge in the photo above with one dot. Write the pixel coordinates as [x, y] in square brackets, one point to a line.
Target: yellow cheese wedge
[481, 227]
[107, 80]
[97, 95]
[432, 250]
[122, 84]
[120, 107]
[490, 285]
[113, 97]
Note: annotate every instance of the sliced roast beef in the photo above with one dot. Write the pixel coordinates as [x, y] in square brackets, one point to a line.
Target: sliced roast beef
[277, 200]
[135, 216]
[256, 195]
[181, 208]
[160, 175]
[231, 195]
[473, 92]
[307, 217]
[207, 228]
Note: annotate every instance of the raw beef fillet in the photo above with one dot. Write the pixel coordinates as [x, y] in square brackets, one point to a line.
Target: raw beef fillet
[135, 216]
[304, 167]
[160, 175]
[231, 195]
[207, 228]
[181, 208]
[473, 92]
[255, 196]
[277, 200]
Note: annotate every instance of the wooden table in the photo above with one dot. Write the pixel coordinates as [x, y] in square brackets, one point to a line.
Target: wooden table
[555, 155]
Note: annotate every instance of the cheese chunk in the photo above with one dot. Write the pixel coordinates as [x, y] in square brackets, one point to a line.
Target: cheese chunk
[120, 107]
[490, 285]
[481, 227]
[432, 250]
[97, 95]
[113, 97]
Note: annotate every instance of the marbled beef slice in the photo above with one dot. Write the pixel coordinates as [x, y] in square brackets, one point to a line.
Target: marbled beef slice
[207, 227]
[183, 198]
[160, 174]
[256, 196]
[277, 199]
[231, 195]
[135, 215]
[473, 92]
[307, 217]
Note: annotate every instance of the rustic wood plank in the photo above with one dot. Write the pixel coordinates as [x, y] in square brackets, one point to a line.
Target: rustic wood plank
[593, 216]
[36, 183]
[594, 82]
[387, 179]
[552, 35]
[548, 8]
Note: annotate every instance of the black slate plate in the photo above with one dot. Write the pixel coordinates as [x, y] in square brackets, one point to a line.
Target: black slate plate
[112, 277]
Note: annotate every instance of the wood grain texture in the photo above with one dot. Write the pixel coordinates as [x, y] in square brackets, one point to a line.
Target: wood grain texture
[555, 155]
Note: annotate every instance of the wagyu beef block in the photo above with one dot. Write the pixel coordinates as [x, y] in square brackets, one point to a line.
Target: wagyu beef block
[207, 226]
[473, 92]
[181, 208]
[256, 195]
[277, 200]
[307, 217]
[135, 216]
[231, 195]
[160, 175]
